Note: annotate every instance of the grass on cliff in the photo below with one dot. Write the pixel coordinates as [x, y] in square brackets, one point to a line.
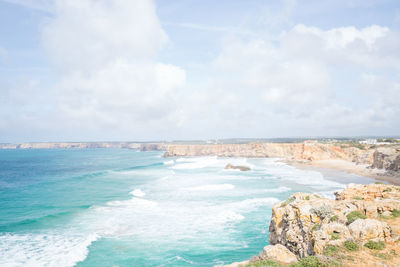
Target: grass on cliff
[334, 218]
[388, 190]
[351, 246]
[331, 251]
[335, 236]
[354, 215]
[264, 263]
[288, 201]
[375, 245]
[396, 213]
[310, 261]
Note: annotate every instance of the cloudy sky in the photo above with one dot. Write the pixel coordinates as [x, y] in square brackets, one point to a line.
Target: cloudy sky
[91, 70]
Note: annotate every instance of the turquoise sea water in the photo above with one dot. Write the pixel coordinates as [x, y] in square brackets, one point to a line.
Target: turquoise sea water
[116, 207]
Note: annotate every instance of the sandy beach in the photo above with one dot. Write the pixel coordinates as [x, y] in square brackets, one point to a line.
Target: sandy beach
[361, 170]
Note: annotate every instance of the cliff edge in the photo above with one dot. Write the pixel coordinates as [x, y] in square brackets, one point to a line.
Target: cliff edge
[361, 227]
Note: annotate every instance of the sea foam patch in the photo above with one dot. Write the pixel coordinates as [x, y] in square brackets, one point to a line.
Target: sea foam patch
[56, 249]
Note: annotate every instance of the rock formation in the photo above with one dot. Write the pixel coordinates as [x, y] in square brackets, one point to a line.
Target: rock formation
[308, 224]
[241, 168]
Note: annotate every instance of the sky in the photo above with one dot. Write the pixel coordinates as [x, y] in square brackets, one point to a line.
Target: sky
[141, 70]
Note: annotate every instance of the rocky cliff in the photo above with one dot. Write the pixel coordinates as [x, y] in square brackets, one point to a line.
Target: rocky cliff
[385, 158]
[360, 227]
[295, 151]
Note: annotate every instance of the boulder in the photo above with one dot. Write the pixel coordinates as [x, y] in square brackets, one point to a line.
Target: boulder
[370, 229]
[277, 253]
[238, 167]
[334, 234]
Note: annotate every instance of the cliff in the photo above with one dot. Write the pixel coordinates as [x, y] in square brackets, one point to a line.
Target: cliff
[361, 227]
[382, 162]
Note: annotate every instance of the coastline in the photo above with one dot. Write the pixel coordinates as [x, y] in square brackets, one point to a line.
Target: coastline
[361, 170]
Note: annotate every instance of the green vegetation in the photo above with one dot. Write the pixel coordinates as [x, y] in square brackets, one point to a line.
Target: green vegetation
[264, 263]
[335, 236]
[354, 215]
[316, 227]
[322, 211]
[310, 261]
[375, 245]
[389, 189]
[334, 218]
[288, 201]
[396, 213]
[398, 188]
[331, 251]
[382, 255]
[358, 198]
[378, 183]
[351, 246]
[307, 197]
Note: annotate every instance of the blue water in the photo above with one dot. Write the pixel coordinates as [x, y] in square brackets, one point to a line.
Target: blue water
[116, 207]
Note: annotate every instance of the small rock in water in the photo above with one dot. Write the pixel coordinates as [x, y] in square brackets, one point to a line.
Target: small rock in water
[242, 168]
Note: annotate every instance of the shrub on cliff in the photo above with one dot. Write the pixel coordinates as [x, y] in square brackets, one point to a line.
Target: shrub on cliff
[351, 246]
[264, 263]
[396, 213]
[331, 250]
[322, 211]
[354, 215]
[335, 236]
[334, 218]
[310, 261]
[375, 245]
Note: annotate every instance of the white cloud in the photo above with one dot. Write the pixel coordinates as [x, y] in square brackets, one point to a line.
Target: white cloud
[292, 85]
[106, 55]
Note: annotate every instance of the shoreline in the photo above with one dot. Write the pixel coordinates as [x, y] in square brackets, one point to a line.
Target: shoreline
[361, 170]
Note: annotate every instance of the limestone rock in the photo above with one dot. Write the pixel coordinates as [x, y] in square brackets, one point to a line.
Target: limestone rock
[370, 229]
[277, 253]
[325, 236]
[238, 167]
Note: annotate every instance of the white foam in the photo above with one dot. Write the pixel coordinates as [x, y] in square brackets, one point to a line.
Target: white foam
[305, 177]
[138, 193]
[196, 163]
[212, 187]
[44, 249]
[280, 189]
[169, 162]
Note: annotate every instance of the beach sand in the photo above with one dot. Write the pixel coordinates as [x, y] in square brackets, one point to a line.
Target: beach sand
[333, 168]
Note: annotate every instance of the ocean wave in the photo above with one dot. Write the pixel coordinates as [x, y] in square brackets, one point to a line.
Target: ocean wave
[138, 193]
[44, 249]
[212, 187]
[280, 189]
[195, 163]
[169, 162]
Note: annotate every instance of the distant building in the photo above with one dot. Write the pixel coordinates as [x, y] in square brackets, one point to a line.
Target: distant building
[369, 142]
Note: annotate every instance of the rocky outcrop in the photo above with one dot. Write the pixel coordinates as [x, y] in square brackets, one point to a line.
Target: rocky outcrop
[277, 253]
[294, 151]
[241, 168]
[384, 157]
[387, 158]
[307, 223]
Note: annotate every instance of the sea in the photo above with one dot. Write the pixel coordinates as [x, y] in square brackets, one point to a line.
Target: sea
[121, 207]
